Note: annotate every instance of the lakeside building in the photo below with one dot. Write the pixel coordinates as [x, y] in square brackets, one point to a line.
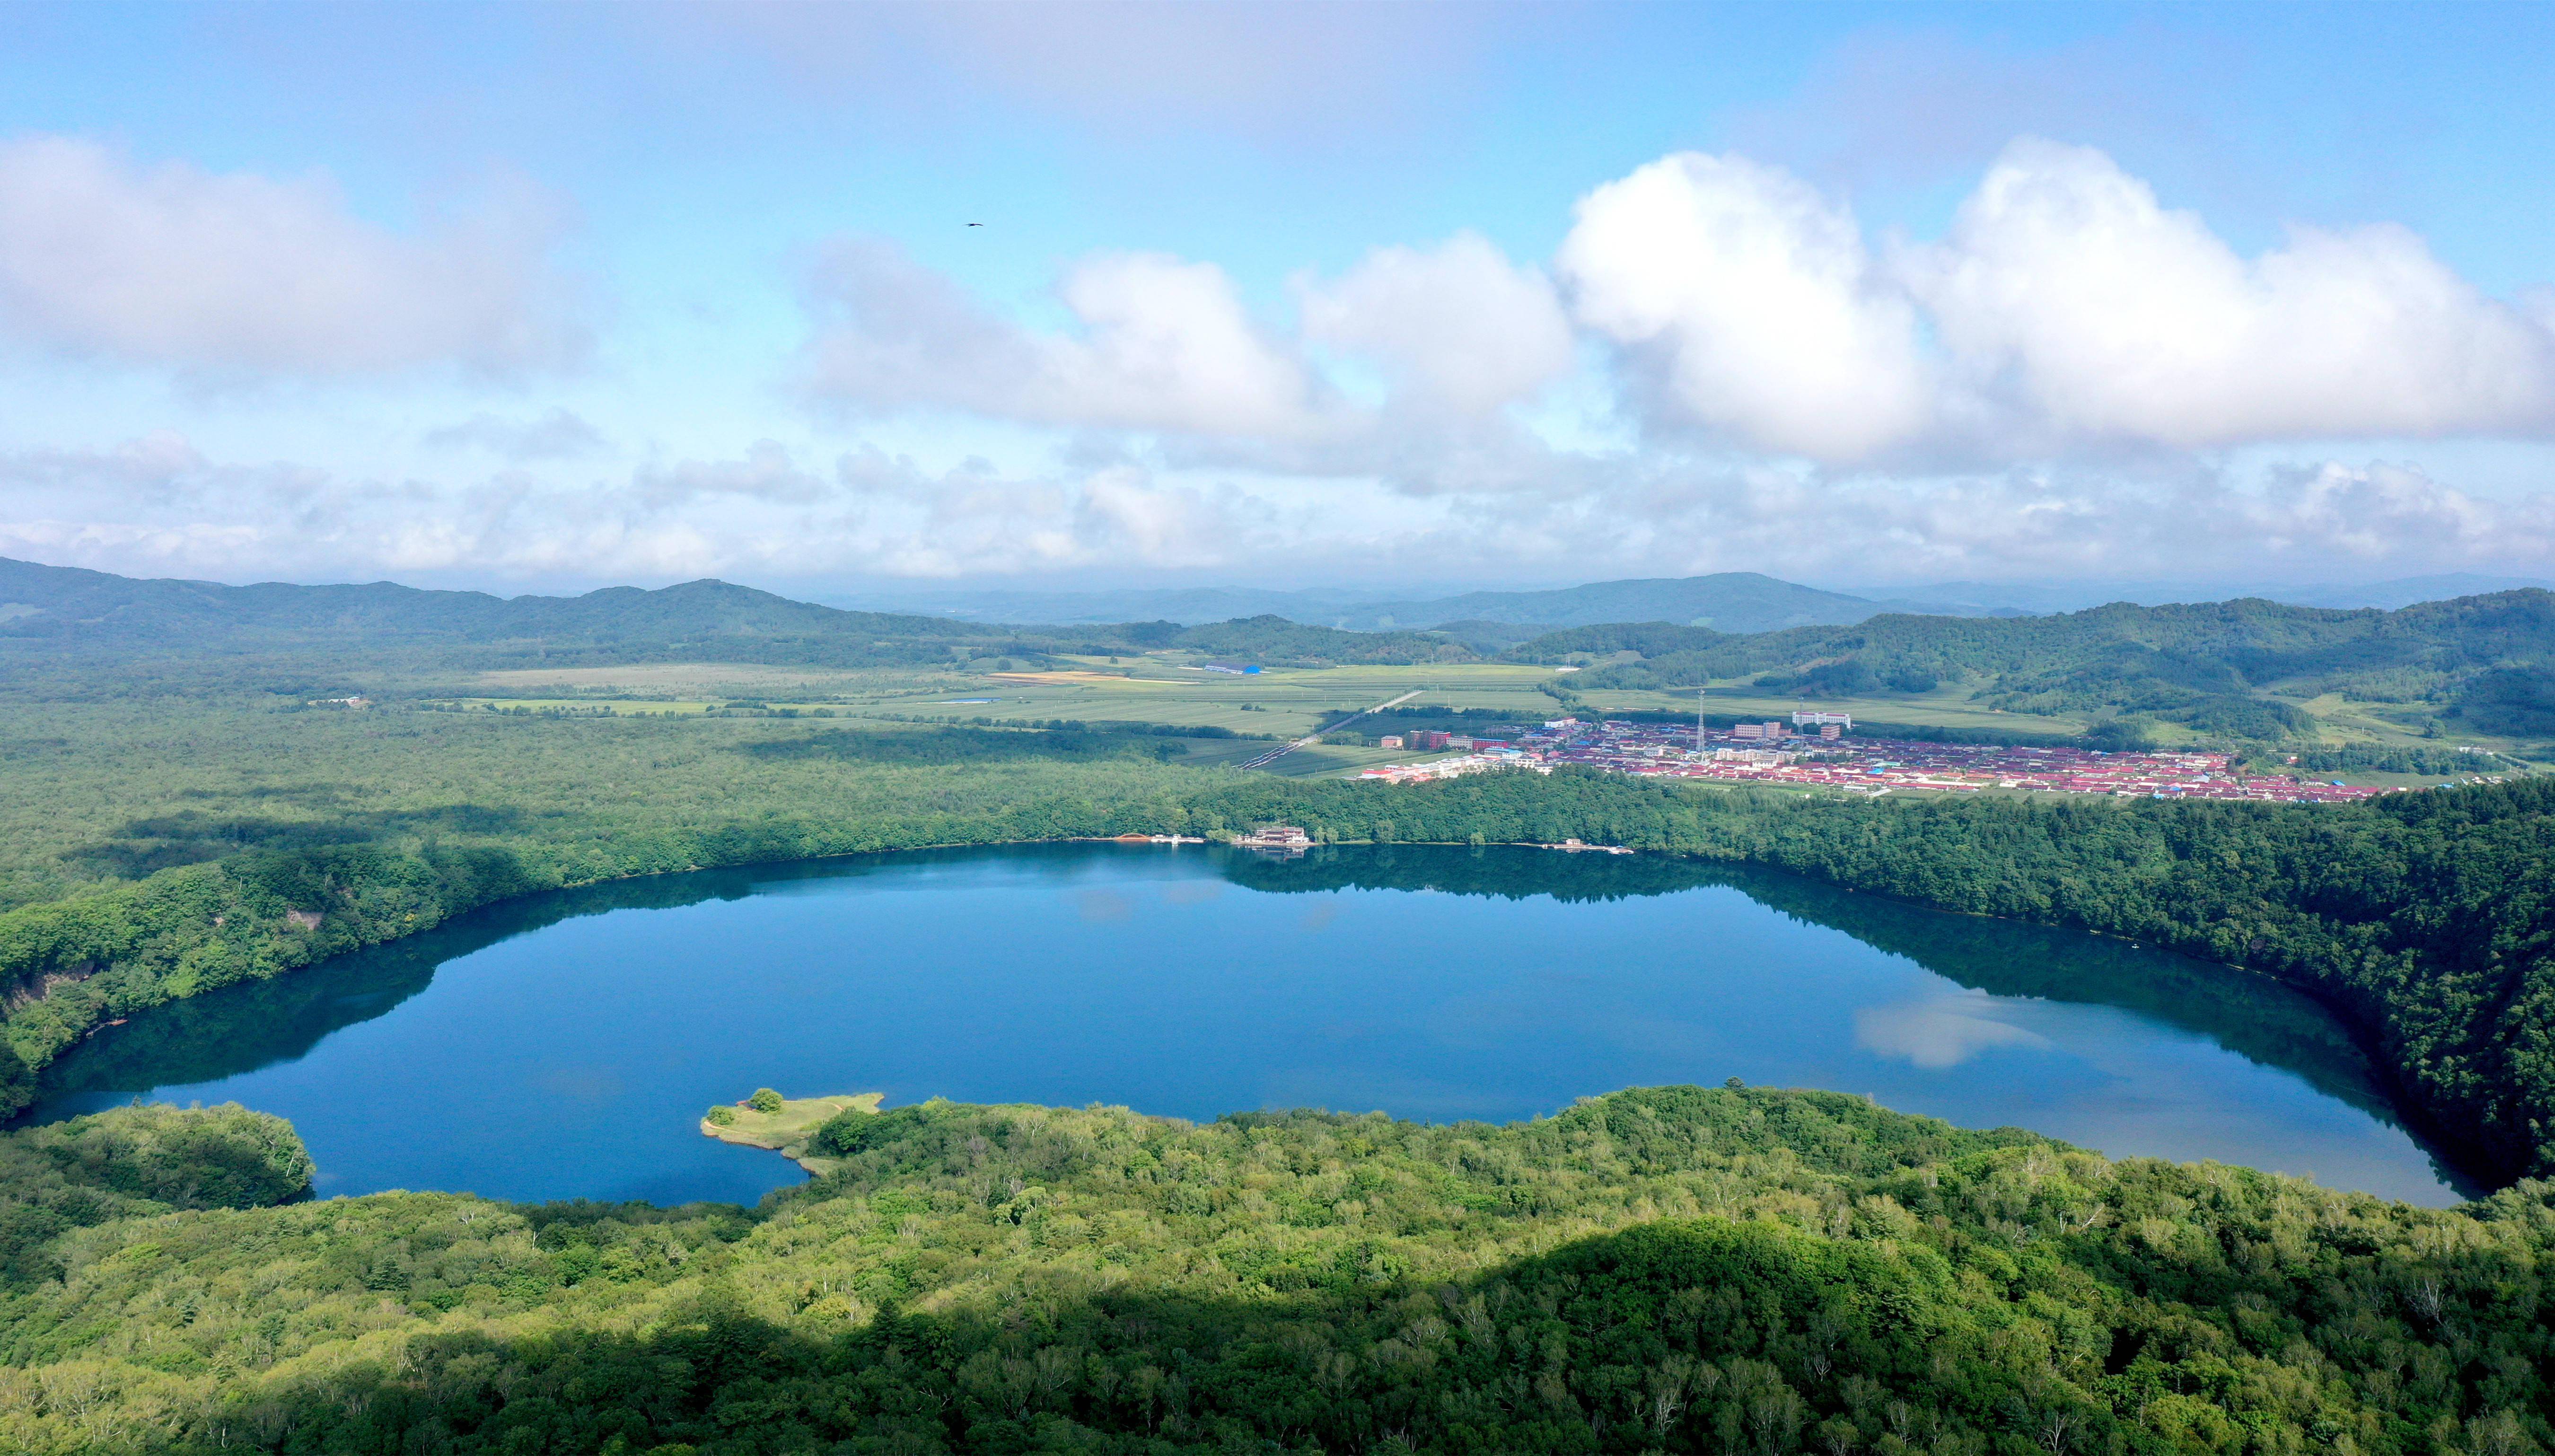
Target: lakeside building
[1275, 836]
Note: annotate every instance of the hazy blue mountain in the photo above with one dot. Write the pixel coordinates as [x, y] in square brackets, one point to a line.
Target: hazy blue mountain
[71, 605]
[2040, 598]
[2405, 591]
[1727, 601]
[53, 613]
[1186, 605]
[2009, 598]
[1733, 602]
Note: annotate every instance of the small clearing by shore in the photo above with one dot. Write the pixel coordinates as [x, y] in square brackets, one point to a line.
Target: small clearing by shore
[786, 1131]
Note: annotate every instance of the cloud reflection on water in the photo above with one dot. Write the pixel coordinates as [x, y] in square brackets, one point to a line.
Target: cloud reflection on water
[1940, 1032]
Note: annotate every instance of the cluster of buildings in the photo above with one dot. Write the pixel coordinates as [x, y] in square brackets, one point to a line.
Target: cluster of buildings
[1813, 748]
[1500, 755]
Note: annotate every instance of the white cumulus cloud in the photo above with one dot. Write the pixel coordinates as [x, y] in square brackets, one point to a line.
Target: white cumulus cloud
[223, 274]
[1747, 302]
[2109, 314]
[2067, 309]
[556, 435]
[2065, 315]
[765, 472]
[1161, 344]
[158, 505]
[1459, 326]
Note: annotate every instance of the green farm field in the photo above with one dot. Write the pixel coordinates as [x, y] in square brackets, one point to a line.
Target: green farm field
[1170, 689]
[1280, 701]
[1286, 702]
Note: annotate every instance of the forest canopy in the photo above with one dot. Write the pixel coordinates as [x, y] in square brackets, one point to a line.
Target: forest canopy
[1671, 1270]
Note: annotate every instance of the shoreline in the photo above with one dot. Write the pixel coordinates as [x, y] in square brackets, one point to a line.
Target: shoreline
[2459, 1154]
[786, 1131]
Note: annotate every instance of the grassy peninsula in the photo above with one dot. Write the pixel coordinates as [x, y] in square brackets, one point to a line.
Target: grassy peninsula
[789, 1126]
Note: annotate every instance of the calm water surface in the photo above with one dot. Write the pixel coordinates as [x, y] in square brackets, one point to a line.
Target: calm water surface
[565, 1046]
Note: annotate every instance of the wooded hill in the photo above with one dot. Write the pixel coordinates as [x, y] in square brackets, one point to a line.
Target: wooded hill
[1729, 1271]
[2488, 659]
[56, 620]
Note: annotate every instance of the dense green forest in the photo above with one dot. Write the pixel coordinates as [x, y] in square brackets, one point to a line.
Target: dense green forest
[1734, 1272]
[2437, 762]
[136, 1162]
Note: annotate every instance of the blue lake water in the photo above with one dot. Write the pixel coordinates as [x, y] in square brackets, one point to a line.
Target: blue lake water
[565, 1046]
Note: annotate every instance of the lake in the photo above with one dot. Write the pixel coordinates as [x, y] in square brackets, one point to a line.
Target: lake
[565, 1045]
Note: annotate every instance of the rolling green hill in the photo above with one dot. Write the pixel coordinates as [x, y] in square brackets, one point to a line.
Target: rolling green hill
[2239, 667]
[53, 615]
[54, 612]
[1731, 1270]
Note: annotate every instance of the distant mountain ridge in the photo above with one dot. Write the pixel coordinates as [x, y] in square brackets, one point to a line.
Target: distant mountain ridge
[2411, 591]
[1727, 601]
[69, 601]
[2043, 598]
[62, 615]
[1188, 605]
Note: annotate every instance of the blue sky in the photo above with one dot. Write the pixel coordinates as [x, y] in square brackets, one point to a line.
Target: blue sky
[541, 298]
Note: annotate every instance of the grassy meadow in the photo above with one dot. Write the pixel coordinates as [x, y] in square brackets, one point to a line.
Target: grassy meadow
[788, 1129]
[1166, 689]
